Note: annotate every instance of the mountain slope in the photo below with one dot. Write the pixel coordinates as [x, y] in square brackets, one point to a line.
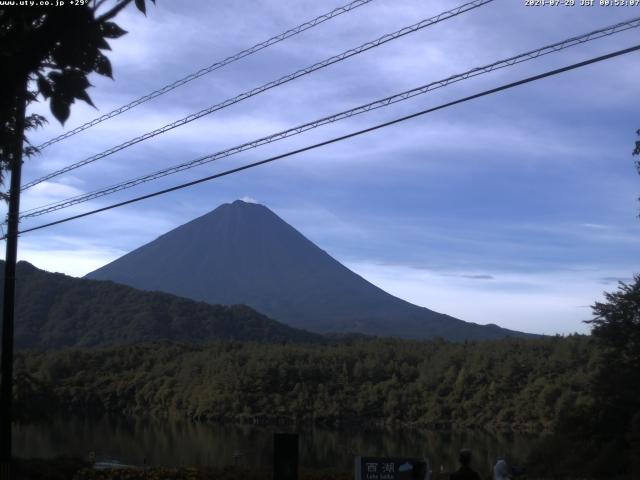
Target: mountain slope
[243, 253]
[56, 311]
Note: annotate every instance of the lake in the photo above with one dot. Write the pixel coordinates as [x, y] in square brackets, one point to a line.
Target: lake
[183, 443]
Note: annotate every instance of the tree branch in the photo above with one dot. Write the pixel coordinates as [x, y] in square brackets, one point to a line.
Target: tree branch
[108, 15]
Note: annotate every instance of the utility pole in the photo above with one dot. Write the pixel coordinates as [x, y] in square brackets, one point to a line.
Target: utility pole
[8, 306]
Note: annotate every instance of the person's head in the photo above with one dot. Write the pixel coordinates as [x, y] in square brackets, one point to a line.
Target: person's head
[465, 457]
[419, 470]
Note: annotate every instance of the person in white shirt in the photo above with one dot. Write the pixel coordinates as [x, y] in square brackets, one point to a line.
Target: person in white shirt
[501, 469]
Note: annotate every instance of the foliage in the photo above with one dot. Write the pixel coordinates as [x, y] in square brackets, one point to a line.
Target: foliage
[58, 48]
[55, 311]
[606, 432]
[518, 384]
[602, 438]
[616, 327]
[508, 384]
[636, 151]
[53, 49]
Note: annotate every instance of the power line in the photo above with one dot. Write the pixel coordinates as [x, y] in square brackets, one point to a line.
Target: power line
[267, 86]
[530, 55]
[341, 138]
[215, 66]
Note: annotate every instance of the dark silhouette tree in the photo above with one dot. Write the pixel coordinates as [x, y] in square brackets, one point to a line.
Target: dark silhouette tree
[49, 51]
[54, 48]
[616, 327]
[636, 151]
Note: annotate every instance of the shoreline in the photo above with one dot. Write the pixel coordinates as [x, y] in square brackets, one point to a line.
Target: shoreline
[366, 424]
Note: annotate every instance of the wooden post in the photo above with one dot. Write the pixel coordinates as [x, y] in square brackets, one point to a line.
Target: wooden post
[8, 306]
[285, 456]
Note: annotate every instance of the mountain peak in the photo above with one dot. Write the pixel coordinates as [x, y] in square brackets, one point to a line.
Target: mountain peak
[24, 265]
[243, 253]
[244, 202]
[240, 205]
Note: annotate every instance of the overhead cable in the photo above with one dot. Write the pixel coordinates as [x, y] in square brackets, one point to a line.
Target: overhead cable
[529, 55]
[267, 86]
[215, 66]
[338, 139]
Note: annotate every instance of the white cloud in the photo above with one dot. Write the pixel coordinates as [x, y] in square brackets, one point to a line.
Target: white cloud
[569, 126]
[74, 262]
[47, 192]
[539, 303]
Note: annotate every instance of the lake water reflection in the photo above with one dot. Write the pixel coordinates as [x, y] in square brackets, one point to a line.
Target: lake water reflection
[183, 443]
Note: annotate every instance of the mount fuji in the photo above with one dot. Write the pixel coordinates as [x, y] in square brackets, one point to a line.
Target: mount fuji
[243, 253]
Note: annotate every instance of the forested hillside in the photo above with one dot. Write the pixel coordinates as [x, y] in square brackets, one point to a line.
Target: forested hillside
[506, 384]
[57, 311]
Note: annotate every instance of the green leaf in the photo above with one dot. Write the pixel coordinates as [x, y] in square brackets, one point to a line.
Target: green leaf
[103, 44]
[32, 96]
[103, 66]
[55, 75]
[44, 86]
[112, 30]
[84, 96]
[141, 6]
[69, 84]
[60, 109]
[88, 60]
[30, 151]
[34, 121]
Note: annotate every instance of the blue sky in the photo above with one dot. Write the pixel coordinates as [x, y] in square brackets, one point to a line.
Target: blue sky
[518, 209]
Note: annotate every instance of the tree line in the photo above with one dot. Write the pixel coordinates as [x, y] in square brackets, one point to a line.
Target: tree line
[585, 390]
[508, 384]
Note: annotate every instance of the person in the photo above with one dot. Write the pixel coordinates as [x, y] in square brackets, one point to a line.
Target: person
[501, 469]
[465, 472]
[422, 470]
[419, 471]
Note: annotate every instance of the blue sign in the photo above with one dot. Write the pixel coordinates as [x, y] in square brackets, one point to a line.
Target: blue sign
[384, 468]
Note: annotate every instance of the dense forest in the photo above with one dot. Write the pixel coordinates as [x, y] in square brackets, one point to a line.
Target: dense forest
[507, 384]
[56, 311]
[538, 385]
[585, 390]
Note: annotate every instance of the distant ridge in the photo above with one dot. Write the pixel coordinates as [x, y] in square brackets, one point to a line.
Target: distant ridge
[55, 311]
[243, 253]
